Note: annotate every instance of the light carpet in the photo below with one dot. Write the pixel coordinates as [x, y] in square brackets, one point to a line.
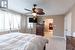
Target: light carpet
[56, 43]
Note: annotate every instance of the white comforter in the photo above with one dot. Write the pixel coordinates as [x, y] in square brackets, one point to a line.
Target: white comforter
[20, 41]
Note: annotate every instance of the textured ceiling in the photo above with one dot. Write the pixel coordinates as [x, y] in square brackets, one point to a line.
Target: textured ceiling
[51, 7]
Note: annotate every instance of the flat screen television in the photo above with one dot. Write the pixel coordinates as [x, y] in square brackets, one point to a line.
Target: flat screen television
[31, 20]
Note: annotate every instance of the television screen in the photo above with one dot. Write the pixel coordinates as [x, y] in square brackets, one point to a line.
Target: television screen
[31, 20]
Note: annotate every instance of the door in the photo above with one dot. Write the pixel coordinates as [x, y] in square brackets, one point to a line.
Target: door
[67, 25]
[48, 27]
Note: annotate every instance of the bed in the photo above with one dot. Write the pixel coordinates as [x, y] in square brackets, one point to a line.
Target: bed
[20, 41]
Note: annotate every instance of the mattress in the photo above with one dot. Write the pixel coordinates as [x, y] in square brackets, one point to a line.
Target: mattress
[20, 41]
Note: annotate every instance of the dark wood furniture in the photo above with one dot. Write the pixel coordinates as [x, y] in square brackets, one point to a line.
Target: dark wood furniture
[70, 43]
[40, 29]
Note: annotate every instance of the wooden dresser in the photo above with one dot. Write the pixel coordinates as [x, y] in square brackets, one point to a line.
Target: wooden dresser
[40, 29]
[70, 43]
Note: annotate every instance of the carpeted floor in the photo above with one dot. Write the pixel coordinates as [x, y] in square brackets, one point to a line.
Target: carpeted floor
[56, 43]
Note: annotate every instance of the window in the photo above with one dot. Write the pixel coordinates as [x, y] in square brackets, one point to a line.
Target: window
[9, 21]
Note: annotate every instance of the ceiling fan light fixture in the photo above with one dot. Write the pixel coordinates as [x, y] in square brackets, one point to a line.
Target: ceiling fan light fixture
[34, 14]
[36, 11]
[39, 10]
[33, 10]
[40, 13]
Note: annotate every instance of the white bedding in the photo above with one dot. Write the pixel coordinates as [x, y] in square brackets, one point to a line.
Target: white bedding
[20, 41]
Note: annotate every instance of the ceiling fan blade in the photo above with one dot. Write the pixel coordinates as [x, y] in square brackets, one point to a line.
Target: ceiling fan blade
[28, 13]
[27, 9]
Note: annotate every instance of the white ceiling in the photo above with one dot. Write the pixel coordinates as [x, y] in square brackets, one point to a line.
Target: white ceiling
[51, 7]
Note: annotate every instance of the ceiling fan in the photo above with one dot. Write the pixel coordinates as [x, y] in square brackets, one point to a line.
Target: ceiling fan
[36, 11]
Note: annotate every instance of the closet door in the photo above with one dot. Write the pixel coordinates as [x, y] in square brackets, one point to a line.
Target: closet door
[67, 25]
[40, 29]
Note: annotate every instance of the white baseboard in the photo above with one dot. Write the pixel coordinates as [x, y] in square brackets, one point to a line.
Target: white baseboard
[59, 37]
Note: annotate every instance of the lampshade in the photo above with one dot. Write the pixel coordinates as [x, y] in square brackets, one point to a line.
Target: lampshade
[34, 14]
